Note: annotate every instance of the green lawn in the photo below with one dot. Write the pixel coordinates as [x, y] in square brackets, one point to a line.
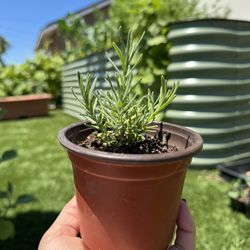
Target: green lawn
[42, 169]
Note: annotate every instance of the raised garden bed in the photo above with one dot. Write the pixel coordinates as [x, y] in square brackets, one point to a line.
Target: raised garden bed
[235, 170]
[24, 106]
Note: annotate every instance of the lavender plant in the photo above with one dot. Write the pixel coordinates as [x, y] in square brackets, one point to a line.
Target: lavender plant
[121, 116]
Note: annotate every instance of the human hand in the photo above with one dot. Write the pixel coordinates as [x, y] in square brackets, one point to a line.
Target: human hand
[62, 235]
[185, 232]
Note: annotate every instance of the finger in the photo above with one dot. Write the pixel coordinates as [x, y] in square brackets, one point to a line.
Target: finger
[67, 221]
[65, 243]
[185, 234]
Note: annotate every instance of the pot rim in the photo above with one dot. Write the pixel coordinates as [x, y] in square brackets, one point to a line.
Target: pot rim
[136, 158]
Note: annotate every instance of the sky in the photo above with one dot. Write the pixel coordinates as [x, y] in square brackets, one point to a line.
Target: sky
[22, 20]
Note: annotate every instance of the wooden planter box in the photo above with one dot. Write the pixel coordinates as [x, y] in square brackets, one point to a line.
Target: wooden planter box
[16, 107]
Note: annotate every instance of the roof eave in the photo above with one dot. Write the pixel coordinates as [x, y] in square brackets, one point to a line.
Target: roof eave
[52, 27]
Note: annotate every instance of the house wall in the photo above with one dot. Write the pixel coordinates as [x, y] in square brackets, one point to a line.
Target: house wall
[240, 9]
[52, 35]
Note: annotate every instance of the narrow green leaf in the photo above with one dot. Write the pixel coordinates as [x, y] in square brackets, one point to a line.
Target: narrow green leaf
[93, 87]
[80, 83]
[112, 63]
[136, 47]
[78, 99]
[108, 79]
[137, 62]
[120, 55]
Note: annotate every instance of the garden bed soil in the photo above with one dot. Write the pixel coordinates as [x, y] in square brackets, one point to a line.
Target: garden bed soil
[25, 106]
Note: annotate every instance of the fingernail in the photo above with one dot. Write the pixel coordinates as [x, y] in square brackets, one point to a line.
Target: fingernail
[184, 200]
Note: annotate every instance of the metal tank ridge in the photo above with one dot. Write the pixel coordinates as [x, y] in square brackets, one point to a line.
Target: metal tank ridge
[96, 64]
[211, 60]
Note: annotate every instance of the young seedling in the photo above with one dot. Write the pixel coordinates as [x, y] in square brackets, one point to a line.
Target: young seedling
[121, 117]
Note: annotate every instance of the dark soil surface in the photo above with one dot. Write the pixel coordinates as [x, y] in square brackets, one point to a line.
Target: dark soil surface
[150, 145]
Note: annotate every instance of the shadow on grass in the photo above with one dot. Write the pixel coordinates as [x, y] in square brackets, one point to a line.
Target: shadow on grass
[30, 228]
[8, 155]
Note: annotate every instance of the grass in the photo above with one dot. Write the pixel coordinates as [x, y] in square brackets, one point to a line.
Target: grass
[42, 169]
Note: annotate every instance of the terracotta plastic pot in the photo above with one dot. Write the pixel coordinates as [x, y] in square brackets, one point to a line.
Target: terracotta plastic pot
[129, 201]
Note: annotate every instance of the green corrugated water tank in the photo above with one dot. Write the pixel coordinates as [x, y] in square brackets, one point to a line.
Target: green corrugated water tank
[97, 64]
[211, 61]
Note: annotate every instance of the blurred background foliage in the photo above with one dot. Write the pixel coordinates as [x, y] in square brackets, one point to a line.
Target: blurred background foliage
[37, 75]
[43, 72]
[152, 16]
[4, 45]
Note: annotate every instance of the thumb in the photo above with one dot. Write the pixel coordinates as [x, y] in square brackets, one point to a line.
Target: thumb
[185, 233]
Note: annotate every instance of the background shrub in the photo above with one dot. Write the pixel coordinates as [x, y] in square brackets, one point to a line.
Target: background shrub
[37, 75]
[152, 16]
